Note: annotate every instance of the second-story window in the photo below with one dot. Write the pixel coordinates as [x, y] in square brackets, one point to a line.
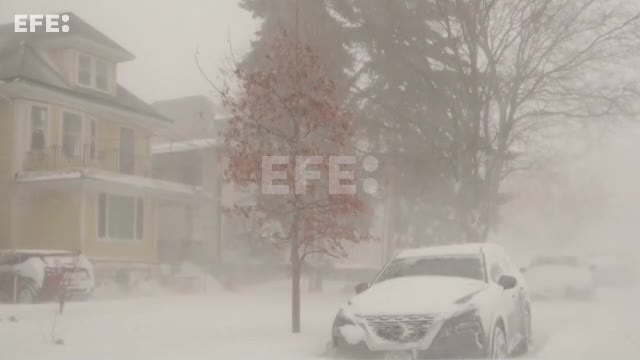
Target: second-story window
[84, 70]
[39, 124]
[102, 75]
[71, 134]
[127, 151]
[94, 72]
[92, 139]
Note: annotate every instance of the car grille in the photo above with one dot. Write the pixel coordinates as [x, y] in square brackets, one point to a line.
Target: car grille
[400, 328]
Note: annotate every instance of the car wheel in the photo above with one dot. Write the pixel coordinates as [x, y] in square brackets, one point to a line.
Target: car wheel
[525, 343]
[498, 344]
[27, 292]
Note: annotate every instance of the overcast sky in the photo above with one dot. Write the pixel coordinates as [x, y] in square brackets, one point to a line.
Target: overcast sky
[162, 34]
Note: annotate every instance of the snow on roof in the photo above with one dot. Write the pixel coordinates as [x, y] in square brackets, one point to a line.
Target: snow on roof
[443, 250]
[47, 175]
[129, 180]
[188, 145]
[142, 182]
[37, 251]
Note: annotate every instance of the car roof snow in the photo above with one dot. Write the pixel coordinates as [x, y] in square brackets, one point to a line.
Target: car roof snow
[445, 250]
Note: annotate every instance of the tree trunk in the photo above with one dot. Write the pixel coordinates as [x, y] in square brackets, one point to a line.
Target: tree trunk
[295, 279]
[295, 268]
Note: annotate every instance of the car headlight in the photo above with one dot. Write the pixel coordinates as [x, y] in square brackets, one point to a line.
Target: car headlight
[465, 322]
[341, 320]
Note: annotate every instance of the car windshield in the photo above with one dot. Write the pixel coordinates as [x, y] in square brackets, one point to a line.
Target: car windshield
[459, 266]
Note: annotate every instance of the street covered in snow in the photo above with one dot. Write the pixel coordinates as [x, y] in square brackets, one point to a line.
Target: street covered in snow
[319, 179]
[253, 323]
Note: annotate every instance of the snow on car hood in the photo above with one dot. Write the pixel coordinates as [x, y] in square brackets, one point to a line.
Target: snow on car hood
[414, 295]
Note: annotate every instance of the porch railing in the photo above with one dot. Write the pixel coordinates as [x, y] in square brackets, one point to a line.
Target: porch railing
[62, 157]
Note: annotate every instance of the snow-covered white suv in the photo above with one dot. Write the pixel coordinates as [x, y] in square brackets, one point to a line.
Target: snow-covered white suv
[29, 276]
[457, 301]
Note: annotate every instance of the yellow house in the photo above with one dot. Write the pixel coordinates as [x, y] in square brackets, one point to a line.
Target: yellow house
[75, 149]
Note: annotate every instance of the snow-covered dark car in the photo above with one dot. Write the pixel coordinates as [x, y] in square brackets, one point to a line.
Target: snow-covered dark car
[457, 301]
[28, 276]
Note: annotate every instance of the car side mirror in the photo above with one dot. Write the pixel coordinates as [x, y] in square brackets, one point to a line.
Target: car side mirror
[507, 282]
[361, 287]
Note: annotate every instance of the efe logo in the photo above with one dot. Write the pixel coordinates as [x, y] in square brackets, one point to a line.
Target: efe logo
[52, 23]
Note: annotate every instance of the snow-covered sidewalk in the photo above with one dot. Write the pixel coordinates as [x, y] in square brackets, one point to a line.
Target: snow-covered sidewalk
[248, 324]
[253, 323]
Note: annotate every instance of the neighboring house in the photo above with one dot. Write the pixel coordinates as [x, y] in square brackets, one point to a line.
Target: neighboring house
[75, 151]
[190, 151]
[190, 233]
[193, 118]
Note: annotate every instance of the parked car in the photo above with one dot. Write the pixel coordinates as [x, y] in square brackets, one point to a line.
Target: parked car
[560, 276]
[612, 272]
[29, 276]
[457, 301]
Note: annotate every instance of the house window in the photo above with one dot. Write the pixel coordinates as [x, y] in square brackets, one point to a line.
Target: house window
[84, 70]
[39, 119]
[139, 218]
[94, 73]
[127, 151]
[120, 217]
[102, 75]
[92, 139]
[71, 133]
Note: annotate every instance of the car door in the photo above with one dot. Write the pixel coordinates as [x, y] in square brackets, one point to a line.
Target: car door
[514, 298]
[508, 297]
[522, 296]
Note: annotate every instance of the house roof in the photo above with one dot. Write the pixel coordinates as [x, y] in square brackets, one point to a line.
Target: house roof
[20, 60]
[77, 28]
[194, 117]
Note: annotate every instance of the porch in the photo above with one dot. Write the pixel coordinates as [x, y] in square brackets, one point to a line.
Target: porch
[110, 217]
[70, 157]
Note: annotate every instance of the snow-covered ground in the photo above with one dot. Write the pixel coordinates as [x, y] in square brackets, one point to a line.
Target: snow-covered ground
[247, 324]
[607, 327]
[253, 323]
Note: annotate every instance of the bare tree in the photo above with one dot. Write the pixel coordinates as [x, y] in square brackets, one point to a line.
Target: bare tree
[465, 85]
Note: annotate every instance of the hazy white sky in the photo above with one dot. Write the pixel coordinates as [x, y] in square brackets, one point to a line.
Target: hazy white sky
[163, 34]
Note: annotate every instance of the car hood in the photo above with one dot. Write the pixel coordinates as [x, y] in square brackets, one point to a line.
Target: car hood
[415, 295]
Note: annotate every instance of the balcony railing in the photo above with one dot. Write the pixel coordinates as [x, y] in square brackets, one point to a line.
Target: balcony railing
[85, 156]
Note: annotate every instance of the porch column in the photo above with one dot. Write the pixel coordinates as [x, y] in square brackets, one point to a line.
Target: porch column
[14, 214]
[189, 222]
[82, 234]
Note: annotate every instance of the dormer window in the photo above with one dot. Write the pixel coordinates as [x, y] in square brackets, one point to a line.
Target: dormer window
[102, 75]
[94, 73]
